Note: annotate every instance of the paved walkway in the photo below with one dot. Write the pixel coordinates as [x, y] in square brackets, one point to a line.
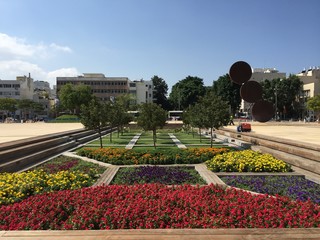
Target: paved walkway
[177, 141]
[133, 141]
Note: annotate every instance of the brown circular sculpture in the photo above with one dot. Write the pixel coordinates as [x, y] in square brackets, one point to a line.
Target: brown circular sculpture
[262, 111]
[251, 91]
[240, 72]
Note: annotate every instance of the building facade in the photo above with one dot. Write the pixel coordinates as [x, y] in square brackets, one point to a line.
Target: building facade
[311, 87]
[104, 88]
[108, 88]
[142, 90]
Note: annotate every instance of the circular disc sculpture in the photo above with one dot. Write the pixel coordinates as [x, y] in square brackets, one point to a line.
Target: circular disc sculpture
[240, 72]
[262, 111]
[251, 91]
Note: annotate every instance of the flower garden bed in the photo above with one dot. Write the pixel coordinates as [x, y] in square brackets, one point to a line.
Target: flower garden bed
[295, 187]
[119, 156]
[59, 174]
[157, 206]
[156, 174]
[150, 205]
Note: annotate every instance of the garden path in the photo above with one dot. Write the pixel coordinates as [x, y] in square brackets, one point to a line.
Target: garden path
[177, 141]
[133, 141]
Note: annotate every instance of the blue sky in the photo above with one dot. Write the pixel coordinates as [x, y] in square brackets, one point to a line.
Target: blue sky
[169, 38]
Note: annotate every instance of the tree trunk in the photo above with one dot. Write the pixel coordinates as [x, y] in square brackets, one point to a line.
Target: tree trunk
[154, 133]
[111, 135]
[200, 135]
[100, 137]
[211, 137]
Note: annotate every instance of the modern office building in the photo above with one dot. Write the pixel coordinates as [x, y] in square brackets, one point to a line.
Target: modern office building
[105, 88]
[108, 88]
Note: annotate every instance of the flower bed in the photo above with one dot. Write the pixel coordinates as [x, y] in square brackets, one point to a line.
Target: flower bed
[155, 174]
[295, 187]
[59, 174]
[157, 206]
[246, 161]
[119, 156]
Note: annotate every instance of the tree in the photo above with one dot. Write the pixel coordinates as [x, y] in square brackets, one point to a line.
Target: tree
[152, 117]
[8, 105]
[215, 112]
[73, 96]
[160, 92]
[26, 106]
[186, 92]
[284, 93]
[228, 91]
[94, 117]
[314, 105]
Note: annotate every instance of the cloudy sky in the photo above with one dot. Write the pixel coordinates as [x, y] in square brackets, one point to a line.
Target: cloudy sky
[142, 38]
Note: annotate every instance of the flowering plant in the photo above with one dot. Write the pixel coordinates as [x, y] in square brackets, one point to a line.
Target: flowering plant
[120, 156]
[246, 161]
[157, 206]
[156, 174]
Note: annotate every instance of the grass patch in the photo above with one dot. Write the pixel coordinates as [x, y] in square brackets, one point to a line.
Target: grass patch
[116, 140]
[156, 174]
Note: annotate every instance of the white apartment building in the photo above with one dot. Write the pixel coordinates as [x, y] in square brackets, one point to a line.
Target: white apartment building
[142, 90]
[311, 85]
[25, 88]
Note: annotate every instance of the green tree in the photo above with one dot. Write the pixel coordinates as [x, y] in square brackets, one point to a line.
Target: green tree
[214, 112]
[314, 105]
[94, 117]
[152, 117]
[186, 92]
[8, 105]
[228, 92]
[73, 96]
[195, 117]
[25, 105]
[284, 93]
[160, 92]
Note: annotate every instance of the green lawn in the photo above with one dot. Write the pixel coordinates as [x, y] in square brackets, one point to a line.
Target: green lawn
[147, 139]
[121, 140]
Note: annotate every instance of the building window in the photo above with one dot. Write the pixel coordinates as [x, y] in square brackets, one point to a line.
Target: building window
[132, 84]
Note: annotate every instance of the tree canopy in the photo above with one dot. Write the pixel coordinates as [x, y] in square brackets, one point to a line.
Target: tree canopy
[160, 92]
[286, 91]
[152, 117]
[186, 92]
[73, 96]
[94, 117]
[228, 92]
[314, 104]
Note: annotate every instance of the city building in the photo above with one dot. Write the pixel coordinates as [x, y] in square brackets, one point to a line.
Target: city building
[311, 86]
[142, 90]
[108, 88]
[24, 88]
[104, 88]
[260, 75]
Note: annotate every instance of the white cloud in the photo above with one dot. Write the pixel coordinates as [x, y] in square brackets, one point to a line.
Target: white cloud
[60, 48]
[62, 72]
[9, 70]
[18, 58]
[18, 48]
